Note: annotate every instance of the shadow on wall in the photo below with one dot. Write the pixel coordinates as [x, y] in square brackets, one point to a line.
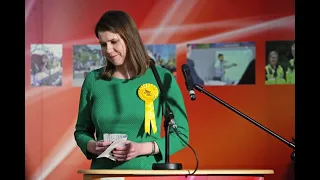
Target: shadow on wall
[289, 172]
[26, 171]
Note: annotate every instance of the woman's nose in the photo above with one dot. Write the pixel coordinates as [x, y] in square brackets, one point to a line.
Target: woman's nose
[109, 50]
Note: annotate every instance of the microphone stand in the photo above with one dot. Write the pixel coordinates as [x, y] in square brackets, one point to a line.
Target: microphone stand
[167, 165]
[290, 144]
[168, 121]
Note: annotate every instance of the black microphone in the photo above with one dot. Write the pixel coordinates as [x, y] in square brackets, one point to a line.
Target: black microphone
[188, 81]
[186, 73]
[169, 122]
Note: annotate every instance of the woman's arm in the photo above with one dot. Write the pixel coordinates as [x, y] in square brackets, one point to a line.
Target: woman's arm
[149, 148]
[84, 129]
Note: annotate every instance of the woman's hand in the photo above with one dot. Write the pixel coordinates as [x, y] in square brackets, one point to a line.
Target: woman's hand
[129, 151]
[98, 147]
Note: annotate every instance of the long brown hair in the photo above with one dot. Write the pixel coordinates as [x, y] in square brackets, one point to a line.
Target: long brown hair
[121, 23]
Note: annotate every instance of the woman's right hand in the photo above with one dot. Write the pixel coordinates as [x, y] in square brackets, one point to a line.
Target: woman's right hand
[98, 147]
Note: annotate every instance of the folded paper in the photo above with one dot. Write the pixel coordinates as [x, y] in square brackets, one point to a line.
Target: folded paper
[117, 140]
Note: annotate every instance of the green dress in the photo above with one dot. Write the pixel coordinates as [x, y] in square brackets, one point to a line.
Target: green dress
[115, 107]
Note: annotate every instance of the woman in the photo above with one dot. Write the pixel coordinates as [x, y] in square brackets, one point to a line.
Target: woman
[274, 72]
[112, 101]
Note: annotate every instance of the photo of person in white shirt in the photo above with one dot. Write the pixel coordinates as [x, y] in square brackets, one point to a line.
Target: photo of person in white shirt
[220, 68]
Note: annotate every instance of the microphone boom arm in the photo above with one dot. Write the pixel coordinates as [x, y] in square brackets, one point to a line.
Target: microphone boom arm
[290, 144]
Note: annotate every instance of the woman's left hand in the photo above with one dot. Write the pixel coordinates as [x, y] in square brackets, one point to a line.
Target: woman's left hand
[129, 151]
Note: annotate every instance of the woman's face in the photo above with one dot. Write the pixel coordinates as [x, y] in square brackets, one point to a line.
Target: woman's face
[113, 47]
[273, 59]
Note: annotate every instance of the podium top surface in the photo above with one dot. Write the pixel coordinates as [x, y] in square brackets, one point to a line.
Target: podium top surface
[177, 172]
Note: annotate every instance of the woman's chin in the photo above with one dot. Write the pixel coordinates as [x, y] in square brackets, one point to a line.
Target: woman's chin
[117, 62]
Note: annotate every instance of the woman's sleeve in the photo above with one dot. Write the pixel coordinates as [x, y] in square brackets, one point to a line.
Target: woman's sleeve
[84, 129]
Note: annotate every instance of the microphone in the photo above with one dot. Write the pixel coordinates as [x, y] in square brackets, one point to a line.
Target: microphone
[186, 73]
[169, 122]
[188, 81]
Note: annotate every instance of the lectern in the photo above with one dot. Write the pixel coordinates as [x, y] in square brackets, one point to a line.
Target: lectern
[227, 174]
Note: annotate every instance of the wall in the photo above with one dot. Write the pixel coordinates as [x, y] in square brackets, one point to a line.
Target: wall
[221, 138]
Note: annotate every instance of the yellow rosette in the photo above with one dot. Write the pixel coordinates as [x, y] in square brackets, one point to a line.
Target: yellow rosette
[148, 93]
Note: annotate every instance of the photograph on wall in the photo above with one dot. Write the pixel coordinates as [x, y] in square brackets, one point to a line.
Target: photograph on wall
[85, 59]
[46, 64]
[280, 62]
[222, 64]
[164, 55]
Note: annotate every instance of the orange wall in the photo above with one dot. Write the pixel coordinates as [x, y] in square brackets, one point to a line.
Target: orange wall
[221, 138]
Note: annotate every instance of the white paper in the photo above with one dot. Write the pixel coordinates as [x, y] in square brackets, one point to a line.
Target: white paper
[117, 141]
[113, 137]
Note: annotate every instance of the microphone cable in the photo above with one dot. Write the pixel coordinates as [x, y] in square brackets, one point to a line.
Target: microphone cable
[194, 152]
[172, 122]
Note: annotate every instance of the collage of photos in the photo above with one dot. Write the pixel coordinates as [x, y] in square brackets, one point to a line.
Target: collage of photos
[46, 65]
[222, 64]
[164, 55]
[280, 62]
[85, 59]
[211, 64]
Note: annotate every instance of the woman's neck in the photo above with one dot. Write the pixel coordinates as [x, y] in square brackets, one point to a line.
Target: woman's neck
[123, 72]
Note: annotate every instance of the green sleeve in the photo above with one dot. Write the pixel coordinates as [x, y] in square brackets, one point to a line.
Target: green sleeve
[176, 103]
[84, 130]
